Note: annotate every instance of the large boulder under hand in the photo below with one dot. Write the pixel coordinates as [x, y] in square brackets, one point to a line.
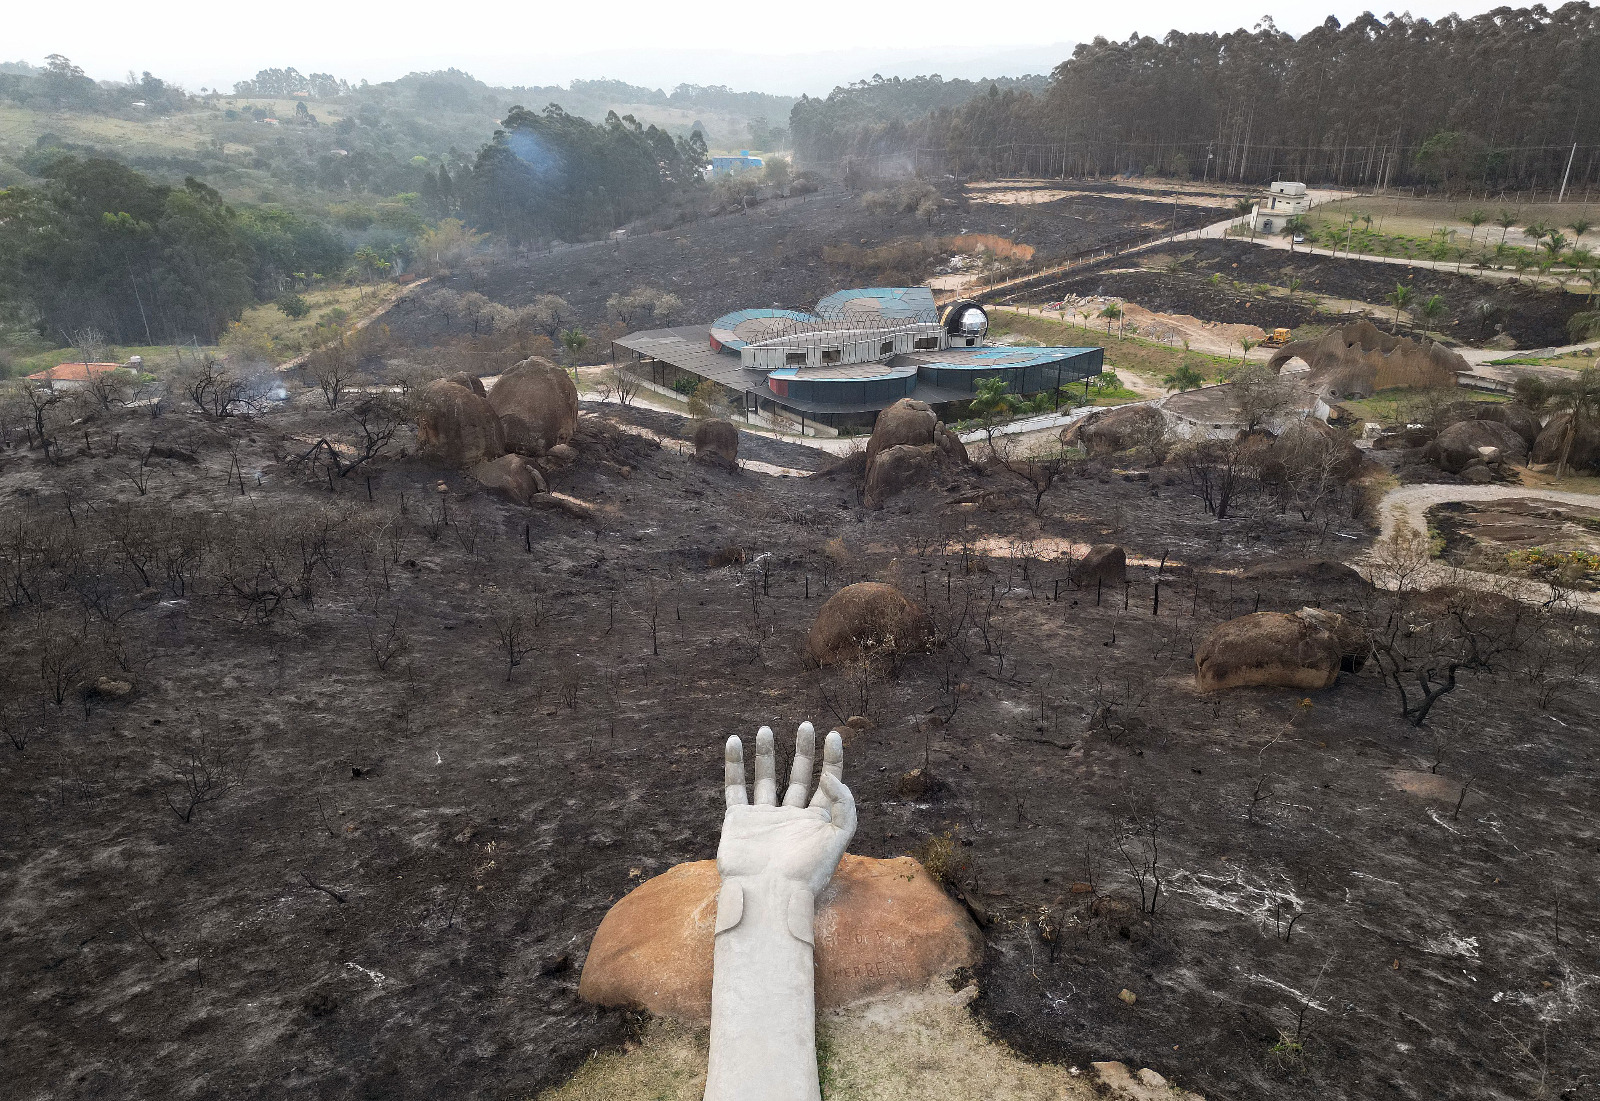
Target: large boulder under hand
[881, 926]
[537, 403]
[1120, 429]
[1585, 451]
[1305, 650]
[1103, 563]
[717, 442]
[1460, 444]
[512, 477]
[457, 424]
[908, 444]
[868, 618]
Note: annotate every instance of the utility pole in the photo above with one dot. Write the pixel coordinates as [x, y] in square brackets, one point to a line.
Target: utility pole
[1567, 173]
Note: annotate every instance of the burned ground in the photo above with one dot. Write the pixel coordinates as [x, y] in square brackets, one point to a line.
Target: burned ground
[403, 842]
[772, 255]
[1203, 285]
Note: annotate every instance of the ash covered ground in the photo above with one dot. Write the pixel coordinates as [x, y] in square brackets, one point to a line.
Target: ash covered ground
[1199, 277]
[403, 843]
[771, 255]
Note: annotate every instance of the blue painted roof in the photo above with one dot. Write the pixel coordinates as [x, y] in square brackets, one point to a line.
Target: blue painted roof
[816, 375]
[987, 359]
[905, 303]
[723, 327]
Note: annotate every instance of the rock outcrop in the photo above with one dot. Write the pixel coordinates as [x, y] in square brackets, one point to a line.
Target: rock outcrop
[868, 618]
[1119, 429]
[456, 423]
[1305, 650]
[537, 403]
[1357, 360]
[1103, 563]
[907, 447]
[1465, 442]
[512, 477]
[882, 926]
[717, 442]
[1514, 415]
[1552, 438]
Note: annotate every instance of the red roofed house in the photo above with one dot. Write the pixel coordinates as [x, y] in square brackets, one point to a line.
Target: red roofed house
[72, 376]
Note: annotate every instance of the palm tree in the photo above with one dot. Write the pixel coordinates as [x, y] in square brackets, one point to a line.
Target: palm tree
[1579, 227]
[1580, 400]
[1293, 284]
[1431, 309]
[1554, 243]
[1111, 313]
[1184, 377]
[576, 340]
[1537, 231]
[1475, 219]
[1505, 220]
[1401, 295]
[1292, 226]
[1245, 344]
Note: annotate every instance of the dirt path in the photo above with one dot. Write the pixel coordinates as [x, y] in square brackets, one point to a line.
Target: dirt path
[1407, 507]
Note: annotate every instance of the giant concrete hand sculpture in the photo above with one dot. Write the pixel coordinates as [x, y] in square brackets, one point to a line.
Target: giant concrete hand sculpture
[774, 861]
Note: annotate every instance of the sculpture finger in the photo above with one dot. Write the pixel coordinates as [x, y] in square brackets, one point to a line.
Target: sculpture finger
[766, 768]
[805, 752]
[733, 773]
[832, 765]
[843, 805]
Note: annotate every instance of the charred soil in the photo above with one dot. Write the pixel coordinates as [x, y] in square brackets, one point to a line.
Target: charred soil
[1203, 285]
[393, 747]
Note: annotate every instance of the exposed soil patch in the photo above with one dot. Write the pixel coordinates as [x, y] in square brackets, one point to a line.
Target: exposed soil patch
[1529, 315]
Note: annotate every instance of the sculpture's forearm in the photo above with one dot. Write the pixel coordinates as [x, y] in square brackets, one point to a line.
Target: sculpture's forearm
[763, 994]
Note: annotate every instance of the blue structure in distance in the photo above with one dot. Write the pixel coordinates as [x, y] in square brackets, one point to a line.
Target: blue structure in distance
[744, 162]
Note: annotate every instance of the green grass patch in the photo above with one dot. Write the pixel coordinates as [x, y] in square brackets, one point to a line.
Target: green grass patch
[1393, 406]
[1142, 356]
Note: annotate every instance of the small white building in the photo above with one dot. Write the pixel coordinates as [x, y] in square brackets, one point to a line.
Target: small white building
[1285, 199]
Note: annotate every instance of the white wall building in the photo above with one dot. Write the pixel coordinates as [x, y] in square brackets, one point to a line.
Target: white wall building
[1284, 200]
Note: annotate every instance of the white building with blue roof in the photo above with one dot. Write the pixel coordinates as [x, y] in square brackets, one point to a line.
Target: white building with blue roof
[859, 351]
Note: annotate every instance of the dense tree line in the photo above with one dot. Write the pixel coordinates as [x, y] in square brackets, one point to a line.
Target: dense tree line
[551, 174]
[875, 113]
[99, 245]
[288, 82]
[61, 85]
[1495, 100]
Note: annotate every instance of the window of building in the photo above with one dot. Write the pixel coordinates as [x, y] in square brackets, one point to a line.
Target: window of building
[926, 343]
[794, 359]
[886, 348]
[832, 355]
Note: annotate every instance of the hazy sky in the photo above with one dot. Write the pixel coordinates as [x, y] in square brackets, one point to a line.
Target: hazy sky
[806, 46]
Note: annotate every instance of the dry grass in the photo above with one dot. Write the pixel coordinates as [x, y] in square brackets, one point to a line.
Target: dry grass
[916, 1045]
